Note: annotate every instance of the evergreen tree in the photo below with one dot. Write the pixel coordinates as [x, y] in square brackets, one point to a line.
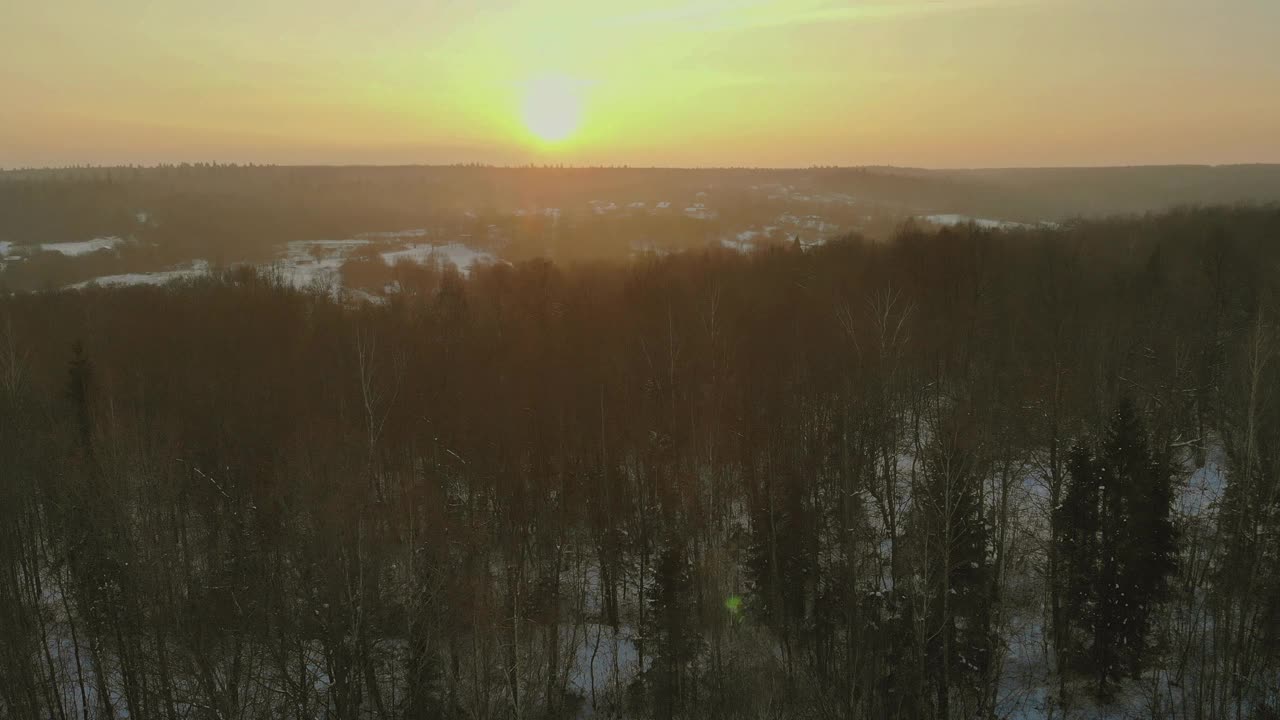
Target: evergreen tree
[778, 567]
[676, 640]
[1117, 541]
[80, 375]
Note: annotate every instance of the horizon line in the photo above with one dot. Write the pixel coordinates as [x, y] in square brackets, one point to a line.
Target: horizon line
[623, 166]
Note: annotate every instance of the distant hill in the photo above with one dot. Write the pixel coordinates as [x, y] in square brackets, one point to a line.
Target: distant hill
[1032, 194]
[1022, 194]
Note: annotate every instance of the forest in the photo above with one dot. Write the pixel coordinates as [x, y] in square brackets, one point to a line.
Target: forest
[168, 216]
[953, 473]
[239, 213]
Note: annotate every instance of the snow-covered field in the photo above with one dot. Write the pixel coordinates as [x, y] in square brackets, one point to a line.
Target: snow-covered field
[303, 264]
[460, 255]
[84, 247]
[952, 220]
[414, 233]
[751, 239]
[744, 241]
[315, 264]
[70, 249]
[196, 269]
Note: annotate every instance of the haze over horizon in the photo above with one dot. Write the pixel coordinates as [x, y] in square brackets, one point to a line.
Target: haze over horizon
[542, 163]
[964, 84]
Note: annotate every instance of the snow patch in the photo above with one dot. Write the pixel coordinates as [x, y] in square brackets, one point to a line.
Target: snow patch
[743, 243]
[602, 656]
[1205, 485]
[72, 249]
[415, 232]
[198, 268]
[462, 256]
[953, 220]
[310, 273]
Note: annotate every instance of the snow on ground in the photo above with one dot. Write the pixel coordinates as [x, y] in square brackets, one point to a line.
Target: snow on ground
[817, 222]
[164, 277]
[1205, 485]
[1025, 679]
[952, 220]
[462, 256]
[602, 658]
[744, 242]
[364, 296]
[85, 247]
[317, 263]
[700, 211]
[304, 264]
[301, 247]
[816, 242]
[811, 222]
[415, 232]
[310, 273]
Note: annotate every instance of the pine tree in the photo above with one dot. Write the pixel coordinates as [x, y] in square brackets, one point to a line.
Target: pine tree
[777, 565]
[676, 640]
[79, 379]
[1117, 541]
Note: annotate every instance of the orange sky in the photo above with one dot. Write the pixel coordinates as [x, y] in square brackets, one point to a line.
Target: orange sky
[941, 83]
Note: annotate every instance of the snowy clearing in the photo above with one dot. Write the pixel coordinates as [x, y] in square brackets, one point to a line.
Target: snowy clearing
[164, 277]
[415, 232]
[72, 249]
[461, 256]
[953, 220]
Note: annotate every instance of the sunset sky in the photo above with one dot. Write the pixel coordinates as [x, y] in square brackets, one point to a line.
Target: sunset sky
[949, 83]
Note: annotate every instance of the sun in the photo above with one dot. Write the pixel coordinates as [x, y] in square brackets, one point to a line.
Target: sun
[552, 108]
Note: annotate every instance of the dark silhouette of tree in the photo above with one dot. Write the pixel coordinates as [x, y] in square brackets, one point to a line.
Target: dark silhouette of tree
[1118, 542]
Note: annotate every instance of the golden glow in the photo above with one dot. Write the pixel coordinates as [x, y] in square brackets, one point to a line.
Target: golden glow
[552, 108]
[932, 83]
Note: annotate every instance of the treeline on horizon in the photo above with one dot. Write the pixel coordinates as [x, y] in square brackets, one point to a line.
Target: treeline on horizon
[946, 476]
[226, 215]
[237, 212]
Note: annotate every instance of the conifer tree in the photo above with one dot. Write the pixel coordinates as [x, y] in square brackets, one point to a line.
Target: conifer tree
[1117, 541]
[676, 641]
